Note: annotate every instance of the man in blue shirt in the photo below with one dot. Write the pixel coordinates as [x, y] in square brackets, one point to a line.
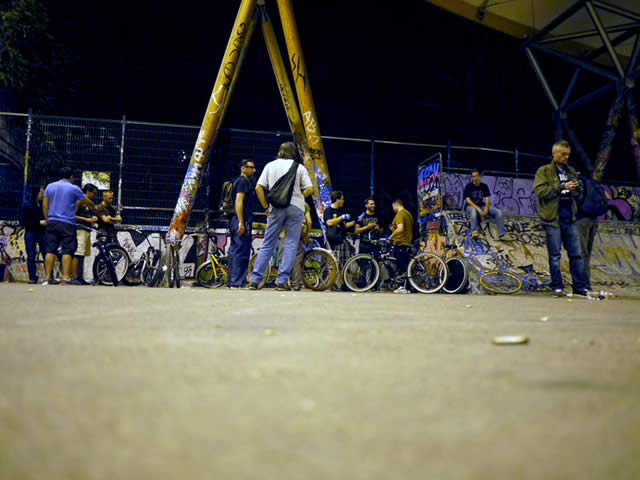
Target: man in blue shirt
[59, 208]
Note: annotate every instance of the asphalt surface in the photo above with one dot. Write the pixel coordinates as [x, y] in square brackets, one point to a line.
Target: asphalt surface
[140, 383]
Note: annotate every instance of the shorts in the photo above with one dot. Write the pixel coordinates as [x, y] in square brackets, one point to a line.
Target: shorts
[84, 243]
[63, 235]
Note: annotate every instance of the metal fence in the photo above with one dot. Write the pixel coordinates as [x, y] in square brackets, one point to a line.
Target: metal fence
[146, 162]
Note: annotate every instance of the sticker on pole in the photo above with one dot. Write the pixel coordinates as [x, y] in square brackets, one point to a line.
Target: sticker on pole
[510, 340]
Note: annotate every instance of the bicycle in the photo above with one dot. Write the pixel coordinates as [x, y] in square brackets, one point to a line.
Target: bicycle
[500, 280]
[140, 271]
[112, 262]
[426, 272]
[166, 261]
[214, 272]
[457, 270]
[319, 269]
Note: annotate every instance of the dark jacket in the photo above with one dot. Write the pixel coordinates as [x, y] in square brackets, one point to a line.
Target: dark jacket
[547, 189]
[30, 218]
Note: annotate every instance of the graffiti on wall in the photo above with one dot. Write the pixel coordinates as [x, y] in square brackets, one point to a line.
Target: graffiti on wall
[615, 259]
[514, 196]
[193, 250]
[429, 198]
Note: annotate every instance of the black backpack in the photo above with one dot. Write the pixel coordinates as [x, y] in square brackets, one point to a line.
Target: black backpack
[592, 201]
[227, 205]
[280, 194]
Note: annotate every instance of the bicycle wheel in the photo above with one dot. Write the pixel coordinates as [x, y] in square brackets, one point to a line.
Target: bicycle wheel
[174, 267]
[268, 276]
[319, 269]
[153, 275]
[111, 272]
[210, 276]
[500, 282]
[457, 277]
[361, 273]
[427, 273]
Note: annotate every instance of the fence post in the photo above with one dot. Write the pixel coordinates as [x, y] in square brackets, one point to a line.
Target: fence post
[516, 159]
[124, 122]
[448, 154]
[372, 157]
[26, 156]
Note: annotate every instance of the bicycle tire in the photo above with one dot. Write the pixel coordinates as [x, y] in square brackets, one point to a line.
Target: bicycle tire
[174, 267]
[111, 273]
[155, 270]
[319, 269]
[427, 273]
[361, 273]
[210, 277]
[268, 273]
[457, 275]
[499, 282]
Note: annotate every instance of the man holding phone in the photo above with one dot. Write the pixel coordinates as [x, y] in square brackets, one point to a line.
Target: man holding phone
[556, 186]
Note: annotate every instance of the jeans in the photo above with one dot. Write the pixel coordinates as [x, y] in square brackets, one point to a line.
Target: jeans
[31, 239]
[587, 228]
[239, 253]
[290, 218]
[566, 233]
[296, 270]
[494, 212]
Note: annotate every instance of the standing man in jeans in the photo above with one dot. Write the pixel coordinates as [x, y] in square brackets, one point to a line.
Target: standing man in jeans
[33, 220]
[555, 186]
[59, 208]
[244, 197]
[289, 217]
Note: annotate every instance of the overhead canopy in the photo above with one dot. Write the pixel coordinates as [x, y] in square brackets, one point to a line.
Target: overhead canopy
[523, 18]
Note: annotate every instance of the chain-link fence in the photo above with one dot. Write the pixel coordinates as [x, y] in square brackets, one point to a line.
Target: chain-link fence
[144, 163]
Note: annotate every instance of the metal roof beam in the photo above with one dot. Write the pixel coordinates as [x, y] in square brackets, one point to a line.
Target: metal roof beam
[623, 12]
[595, 18]
[554, 23]
[589, 33]
[584, 64]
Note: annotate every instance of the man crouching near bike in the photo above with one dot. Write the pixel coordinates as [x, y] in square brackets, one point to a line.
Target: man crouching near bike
[401, 233]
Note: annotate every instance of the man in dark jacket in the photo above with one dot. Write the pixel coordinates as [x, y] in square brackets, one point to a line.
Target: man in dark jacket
[33, 220]
[555, 187]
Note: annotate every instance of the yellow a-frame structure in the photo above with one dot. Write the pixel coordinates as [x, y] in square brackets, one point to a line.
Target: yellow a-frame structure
[304, 127]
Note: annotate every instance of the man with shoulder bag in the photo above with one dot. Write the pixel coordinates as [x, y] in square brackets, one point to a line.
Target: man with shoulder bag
[288, 183]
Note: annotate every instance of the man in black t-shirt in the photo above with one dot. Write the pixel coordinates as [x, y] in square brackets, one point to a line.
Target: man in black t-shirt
[107, 215]
[337, 221]
[85, 218]
[244, 196]
[477, 200]
[368, 225]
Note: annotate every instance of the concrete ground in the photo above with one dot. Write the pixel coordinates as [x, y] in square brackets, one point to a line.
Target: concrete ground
[140, 383]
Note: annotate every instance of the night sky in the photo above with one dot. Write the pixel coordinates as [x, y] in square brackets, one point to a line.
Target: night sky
[400, 70]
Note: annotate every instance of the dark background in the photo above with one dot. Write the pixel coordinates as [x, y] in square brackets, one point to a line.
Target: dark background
[400, 70]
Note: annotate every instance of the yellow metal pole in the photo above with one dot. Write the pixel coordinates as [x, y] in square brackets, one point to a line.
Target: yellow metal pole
[303, 89]
[216, 108]
[289, 101]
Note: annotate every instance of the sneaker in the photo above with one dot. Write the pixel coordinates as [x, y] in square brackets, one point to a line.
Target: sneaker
[282, 287]
[53, 281]
[81, 281]
[252, 286]
[581, 294]
[401, 290]
[507, 237]
[33, 282]
[558, 292]
[297, 288]
[70, 282]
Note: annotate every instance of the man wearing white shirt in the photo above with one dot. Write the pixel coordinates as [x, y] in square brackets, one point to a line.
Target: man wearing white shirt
[289, 217]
